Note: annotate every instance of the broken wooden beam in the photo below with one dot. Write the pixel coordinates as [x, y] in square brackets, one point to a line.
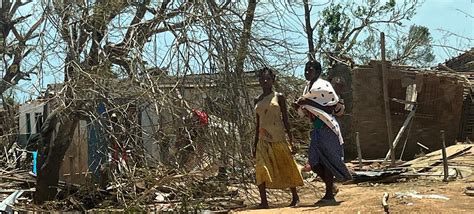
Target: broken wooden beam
[406, 139]
[400, 132]
[434, 158]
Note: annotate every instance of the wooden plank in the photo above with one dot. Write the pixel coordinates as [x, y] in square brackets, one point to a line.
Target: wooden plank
[432, 159]
[9, 191]
[74, 167]
[436, 155]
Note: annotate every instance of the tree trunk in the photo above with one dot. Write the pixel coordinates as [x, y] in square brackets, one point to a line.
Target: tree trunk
[309, 30]
[239, 89]
[245, 37]
[56, 136]
[237, 83]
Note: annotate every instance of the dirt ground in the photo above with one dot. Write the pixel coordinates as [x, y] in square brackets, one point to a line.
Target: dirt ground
[366, 198]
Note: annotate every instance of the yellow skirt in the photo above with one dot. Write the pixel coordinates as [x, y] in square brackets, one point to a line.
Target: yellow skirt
[275, 166]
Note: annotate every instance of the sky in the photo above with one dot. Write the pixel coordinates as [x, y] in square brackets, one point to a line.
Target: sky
[442, 17]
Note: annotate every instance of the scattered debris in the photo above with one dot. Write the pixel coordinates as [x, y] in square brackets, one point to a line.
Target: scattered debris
[427, 162]
[6, 205]
[369, 165]
[385, 202]
[422, 146]
[430, 165]
[161, 197]
[377, 175]
[414, 194]
[170, 188]
[3, 191]
[469, 191]
[77, 204]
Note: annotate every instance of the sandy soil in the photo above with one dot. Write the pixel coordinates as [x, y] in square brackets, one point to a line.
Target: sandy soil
[366, 198]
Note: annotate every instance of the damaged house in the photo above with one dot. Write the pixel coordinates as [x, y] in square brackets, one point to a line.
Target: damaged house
[423, 102]
[464, 65]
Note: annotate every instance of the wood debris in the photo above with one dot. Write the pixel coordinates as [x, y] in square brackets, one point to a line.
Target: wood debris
[469, 191]
[385, 202]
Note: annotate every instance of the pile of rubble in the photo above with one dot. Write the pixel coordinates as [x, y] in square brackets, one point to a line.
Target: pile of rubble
[146, 190]
[459, 159]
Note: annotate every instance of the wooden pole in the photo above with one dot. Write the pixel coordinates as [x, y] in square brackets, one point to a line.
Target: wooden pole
[386, 99]
[359, 152]
[400, 133]
[406, 140]
[445, 160]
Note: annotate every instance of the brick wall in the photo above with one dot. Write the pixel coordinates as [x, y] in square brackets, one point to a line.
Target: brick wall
[440, 105]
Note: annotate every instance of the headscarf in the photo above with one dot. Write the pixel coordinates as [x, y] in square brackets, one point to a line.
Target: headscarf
[323, 93]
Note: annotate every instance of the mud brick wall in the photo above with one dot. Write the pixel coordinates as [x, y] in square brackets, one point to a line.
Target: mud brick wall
[440, 105]
[340, 77]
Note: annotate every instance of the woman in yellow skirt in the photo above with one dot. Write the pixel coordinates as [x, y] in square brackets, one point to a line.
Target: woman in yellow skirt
[275, 167]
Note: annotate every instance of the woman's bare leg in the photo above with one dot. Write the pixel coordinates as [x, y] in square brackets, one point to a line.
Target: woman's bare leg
[329, 181]
[295, 198]
[263, 197]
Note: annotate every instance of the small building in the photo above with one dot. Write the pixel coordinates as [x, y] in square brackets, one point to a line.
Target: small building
[30, 120]
[152, 125]
[439, 98]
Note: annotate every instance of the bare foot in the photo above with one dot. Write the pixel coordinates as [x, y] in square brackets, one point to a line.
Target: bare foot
[294, 202]
[262, 206]
[326, 200]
